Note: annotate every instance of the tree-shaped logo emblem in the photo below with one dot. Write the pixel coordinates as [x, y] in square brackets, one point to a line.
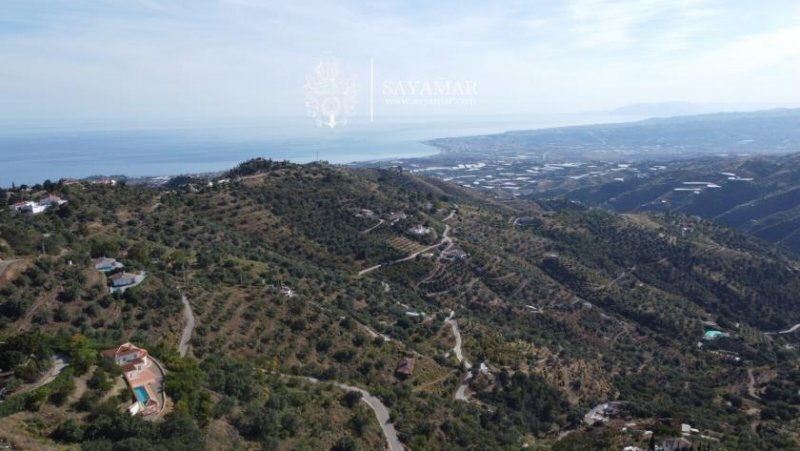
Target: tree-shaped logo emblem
[330, 95]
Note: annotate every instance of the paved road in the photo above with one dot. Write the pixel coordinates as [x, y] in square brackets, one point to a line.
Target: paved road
[381, 411]
[186, 336]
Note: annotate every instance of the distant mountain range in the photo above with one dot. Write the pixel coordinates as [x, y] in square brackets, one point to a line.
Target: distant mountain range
[758, 195]
[665, 109]
[760, 132]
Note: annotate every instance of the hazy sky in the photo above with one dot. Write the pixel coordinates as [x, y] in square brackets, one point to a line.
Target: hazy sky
[237, 58]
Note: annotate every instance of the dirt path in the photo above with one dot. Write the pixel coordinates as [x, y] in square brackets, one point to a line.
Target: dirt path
[372, 332]
[5, 264]
[186, 336]
[751, 384]
[457, 349]
[60, 361]
[461, 392]
[381, 411]
[445, 239]
[380, 223]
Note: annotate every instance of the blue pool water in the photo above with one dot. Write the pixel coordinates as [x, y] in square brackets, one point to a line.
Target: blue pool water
[141, 394]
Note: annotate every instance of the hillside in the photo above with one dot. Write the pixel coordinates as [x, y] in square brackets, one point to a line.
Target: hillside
[757, 195]
[477, 323]
[760, 132]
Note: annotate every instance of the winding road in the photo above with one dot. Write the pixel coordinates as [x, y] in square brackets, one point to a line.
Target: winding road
[787, 331]
[186, 336]
[380, 409]
[457, 349]
[461, 392]
[445, 239]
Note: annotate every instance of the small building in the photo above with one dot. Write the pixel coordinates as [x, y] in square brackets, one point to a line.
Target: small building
[454, 254]
[711, 335]
[51, 200]
[27, 207]
[420, 229]
[406, 368]
[18, 207]
[124, 279]
[105, 264]
[367, 213]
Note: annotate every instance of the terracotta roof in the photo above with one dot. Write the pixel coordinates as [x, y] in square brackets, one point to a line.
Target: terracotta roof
[123, 349]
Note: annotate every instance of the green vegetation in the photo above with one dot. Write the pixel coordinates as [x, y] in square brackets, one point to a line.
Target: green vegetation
[567, 309]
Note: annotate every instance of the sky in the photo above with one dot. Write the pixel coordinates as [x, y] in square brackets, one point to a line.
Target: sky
[172, 60]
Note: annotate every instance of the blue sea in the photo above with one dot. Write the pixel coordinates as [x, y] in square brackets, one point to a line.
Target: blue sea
[30, 155]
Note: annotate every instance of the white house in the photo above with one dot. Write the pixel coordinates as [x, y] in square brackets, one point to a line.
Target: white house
[105, 264]
[124, 279]
[420, 230]
[51, 200]
[27, 207]
[127, 353]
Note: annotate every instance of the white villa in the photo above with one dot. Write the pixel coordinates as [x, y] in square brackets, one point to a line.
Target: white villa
[121, 281]
[105, 264]
[420, 230]
[126, 353]
[27, 207]
[49, 201]
[143, 376]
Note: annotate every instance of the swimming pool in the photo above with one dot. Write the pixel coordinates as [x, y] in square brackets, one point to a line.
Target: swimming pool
[141, 394]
